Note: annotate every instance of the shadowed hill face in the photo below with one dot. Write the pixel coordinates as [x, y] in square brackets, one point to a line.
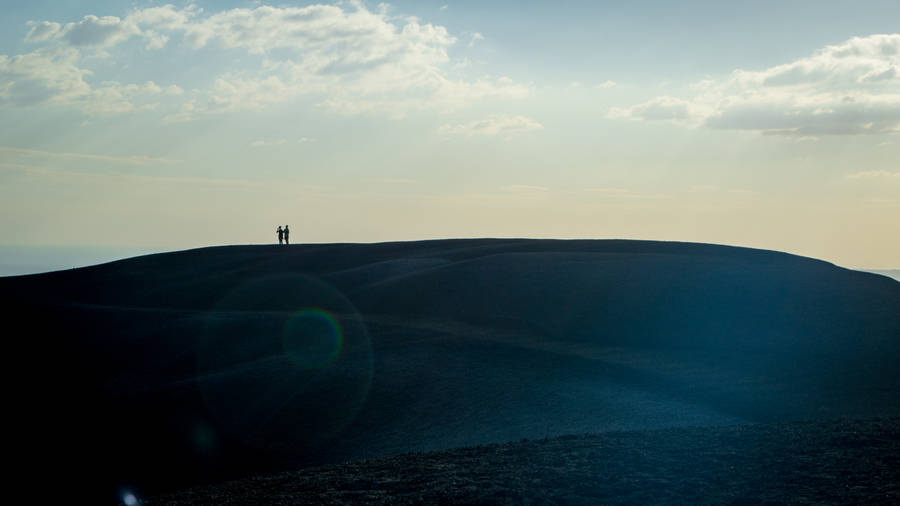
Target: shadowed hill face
[210, 363]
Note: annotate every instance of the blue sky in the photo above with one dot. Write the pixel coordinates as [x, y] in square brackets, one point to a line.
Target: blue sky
[162, 126]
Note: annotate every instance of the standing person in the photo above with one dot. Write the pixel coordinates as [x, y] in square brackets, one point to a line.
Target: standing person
[287, 232]
[280, 235]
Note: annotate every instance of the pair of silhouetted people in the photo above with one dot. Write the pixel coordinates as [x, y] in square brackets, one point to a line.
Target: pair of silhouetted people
[283, 235]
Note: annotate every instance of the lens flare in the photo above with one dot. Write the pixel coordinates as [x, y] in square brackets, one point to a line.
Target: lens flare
[312, 338]
[284, 364]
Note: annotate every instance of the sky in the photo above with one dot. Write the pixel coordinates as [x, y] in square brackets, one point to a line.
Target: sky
[149, 126]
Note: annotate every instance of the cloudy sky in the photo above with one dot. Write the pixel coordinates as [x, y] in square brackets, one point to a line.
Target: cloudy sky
[166, 126]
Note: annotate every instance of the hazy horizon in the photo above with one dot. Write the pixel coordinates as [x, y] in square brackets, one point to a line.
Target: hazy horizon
[149, 126]
[16, 260]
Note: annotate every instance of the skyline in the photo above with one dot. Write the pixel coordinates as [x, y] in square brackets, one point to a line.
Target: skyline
[170, 126]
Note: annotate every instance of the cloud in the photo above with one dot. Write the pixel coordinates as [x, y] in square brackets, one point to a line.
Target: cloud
[41, 31]
[272, 142]
[607, 84]
[660, 108]
[61, 175]
[131, 160]
[94, 31]
[523, 188]
[53, 77]
[107, 31]
[358, 60]
[847, 89]
[614, 194]
[396, 181]
[494, 125]
[41, 76]
[874, 175]
[279, 142]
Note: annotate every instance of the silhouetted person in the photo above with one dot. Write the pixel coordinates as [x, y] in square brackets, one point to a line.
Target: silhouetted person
[280, 235]
[287, 232]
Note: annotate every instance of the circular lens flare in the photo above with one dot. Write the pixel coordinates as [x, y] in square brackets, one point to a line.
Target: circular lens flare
[284, 364]
[312, 338]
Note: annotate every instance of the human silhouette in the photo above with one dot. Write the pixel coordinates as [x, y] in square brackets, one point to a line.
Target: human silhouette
[280, 235]
[287, 232]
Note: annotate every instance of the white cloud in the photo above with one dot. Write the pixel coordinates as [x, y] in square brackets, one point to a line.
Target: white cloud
[358, 60]
[101, 32]
[53, 77]
[94, 31]
[849, 88]
[41, 31]
[607, 84]
[494, 125]
[475, 38]
[41, 76]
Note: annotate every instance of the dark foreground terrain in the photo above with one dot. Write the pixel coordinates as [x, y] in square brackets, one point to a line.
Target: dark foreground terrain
[826, 462]
[168, 371]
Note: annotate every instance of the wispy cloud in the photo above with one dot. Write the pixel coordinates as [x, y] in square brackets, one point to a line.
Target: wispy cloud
[874, 175]
[396, 180]
[134, 160]
[523, 188]
[274, 142]
[494, 125]
[623, 194]
[112, 176]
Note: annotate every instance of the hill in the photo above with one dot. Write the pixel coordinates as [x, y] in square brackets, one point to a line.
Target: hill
[823, 462]
[175, 369]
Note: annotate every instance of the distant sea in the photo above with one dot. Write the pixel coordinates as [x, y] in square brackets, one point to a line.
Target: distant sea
[891, 273]
[17, 259]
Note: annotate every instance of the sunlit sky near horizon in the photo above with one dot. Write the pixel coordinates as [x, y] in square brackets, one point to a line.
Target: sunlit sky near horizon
[156, 126]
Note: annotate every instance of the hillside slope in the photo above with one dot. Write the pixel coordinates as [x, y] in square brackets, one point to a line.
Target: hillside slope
[822, 462]
[180, 368]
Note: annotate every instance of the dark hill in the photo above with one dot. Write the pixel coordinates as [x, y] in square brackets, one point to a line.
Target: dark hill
[822, 462]
[179, 368]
